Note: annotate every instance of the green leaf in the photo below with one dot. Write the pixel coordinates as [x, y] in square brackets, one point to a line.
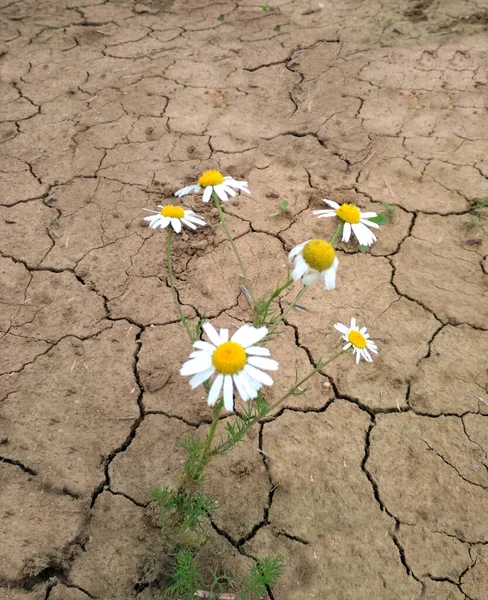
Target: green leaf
[363, 249]
[186, 577]
[389, 209]
[265, 8]
[277, 28]
[261, 576]
[379, 219]
[220, 17]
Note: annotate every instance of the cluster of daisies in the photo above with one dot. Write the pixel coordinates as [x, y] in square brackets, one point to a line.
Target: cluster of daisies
[240, 362]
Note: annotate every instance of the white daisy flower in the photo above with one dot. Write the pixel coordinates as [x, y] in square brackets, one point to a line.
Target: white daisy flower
[314, 259]
[214, 180]
[358, 340]
[353, 220]
[174, 215]
[236, 362]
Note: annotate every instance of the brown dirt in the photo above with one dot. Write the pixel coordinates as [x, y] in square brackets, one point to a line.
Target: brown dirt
[371, 485]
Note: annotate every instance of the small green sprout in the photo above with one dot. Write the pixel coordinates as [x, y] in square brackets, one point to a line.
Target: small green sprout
[221, 17]
[478, 216]
[480, 205]
[283, 209]
[186, 577]
[265, 8]
[390, 210]
[261, 577]
[277, 28]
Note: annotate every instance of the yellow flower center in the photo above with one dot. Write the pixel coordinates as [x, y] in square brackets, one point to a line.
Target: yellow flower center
[173, 212]
[318, 254]
[211, 178]
[229, 358]
[348, 213]
[357, 339]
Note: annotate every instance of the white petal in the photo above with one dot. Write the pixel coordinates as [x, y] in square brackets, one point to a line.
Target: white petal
[204, 346]
[248, 336]
[159, 221]
[187, 190]
[219, 190]
[263, 363]
[366, 355]
[252, 386]
[193, 218]
[342, 328]
[353, 323]
[262, 377]
[199, 378]
[330, 278]
[297, 249]
[227, 189]
[207, 192]
[195, 365]
[364, 236]
[188, 223]
[309, 278]
[241, 388]
[152, 221]
[257, 351]
[368, 215]
[373, 347]
[199, 354]
[214, 393]
[176, 224]
[239, 185]
[324, 213]
[346, 232]
[228, 393]
[331, 203]
[299, 271]
[224, 335]
[211, 332]
[369, 223]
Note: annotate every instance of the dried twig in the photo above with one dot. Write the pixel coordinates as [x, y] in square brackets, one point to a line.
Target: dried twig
[204, 594]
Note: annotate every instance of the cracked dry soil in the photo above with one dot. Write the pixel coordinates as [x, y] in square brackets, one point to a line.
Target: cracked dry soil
[372, 485]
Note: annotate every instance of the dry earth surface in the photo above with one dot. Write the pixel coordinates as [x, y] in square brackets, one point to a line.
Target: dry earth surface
[372, 485]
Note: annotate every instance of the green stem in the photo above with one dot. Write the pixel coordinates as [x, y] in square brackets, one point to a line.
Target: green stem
[172, 284]
[293, 303]
[216, 415]
[337, 233]
[263, 312]
[291, 391]
[231, 241]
